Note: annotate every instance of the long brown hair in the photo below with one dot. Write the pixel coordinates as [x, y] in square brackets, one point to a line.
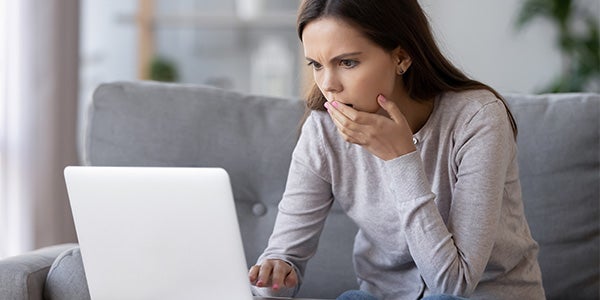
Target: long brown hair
[392, 24]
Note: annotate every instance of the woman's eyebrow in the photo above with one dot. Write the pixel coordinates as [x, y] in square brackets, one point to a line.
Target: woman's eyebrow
[344, 55]
[338, 57]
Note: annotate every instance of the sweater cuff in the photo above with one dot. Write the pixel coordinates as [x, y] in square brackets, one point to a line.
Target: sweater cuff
[406, 177]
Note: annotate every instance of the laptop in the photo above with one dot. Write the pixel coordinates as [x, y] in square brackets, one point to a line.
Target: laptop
[158, 233]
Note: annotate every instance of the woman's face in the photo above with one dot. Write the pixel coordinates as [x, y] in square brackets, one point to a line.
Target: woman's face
[347, 66]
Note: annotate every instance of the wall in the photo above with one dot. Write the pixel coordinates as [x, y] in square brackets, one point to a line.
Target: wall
[480, 37]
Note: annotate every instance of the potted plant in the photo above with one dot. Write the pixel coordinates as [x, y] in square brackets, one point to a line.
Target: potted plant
[577, 40]
[162, 69]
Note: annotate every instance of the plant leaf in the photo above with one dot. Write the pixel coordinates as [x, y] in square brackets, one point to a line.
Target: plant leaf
[532, 9]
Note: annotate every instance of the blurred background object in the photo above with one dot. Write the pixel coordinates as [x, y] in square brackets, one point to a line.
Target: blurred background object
[162, 69]
[578, 40]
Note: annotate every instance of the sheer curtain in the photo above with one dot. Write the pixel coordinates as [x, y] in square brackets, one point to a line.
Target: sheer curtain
[38, 121]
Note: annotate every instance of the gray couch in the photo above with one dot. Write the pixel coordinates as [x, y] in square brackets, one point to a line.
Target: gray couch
[155, 124]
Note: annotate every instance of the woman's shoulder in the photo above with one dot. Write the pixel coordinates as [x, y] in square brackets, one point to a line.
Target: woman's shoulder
[470, 100]
[318, 116]
[319, 121]
[319, 128]
[465, 105]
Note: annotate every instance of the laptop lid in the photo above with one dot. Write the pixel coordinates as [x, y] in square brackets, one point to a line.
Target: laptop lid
[158, 233]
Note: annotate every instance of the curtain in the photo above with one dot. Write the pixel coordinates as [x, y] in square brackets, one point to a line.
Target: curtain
[38, 121]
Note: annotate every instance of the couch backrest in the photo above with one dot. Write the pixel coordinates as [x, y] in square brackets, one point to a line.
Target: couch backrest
[252, 137]
[559, 162]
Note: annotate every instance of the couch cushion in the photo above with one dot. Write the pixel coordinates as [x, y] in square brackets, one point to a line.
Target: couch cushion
[559, 161]
[66, 278]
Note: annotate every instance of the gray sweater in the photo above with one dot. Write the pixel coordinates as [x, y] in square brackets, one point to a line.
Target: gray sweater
[445, 219]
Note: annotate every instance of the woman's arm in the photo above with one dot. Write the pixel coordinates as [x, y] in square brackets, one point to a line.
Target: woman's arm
[302, 210]
[452, 259]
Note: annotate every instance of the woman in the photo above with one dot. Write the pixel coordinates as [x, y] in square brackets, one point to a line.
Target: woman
[421, 157]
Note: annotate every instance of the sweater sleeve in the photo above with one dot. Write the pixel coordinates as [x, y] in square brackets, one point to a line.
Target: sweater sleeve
[303, 209]
[452, 258]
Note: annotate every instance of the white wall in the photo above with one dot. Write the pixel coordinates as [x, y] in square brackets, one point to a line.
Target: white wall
[108, 40]
[479, 37]
[108, 48]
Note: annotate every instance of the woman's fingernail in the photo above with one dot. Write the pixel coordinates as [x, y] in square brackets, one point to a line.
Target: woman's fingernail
[335, 104]
[276, 286]
[259, 283]
[381, 98]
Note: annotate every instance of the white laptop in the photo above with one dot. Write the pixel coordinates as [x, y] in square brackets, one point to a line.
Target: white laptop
[158, 233]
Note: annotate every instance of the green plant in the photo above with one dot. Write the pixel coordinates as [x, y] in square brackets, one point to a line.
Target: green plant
[162, 69]
[577, 40]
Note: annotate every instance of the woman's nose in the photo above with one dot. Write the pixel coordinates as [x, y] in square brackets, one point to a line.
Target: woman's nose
[330, 82]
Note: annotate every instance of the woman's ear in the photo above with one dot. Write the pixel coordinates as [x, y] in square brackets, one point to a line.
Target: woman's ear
[402, 59]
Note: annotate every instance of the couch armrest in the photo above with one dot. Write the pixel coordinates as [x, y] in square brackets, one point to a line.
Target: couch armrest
[23, 276]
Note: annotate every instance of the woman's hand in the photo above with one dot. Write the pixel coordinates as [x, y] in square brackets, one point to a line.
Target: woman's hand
[386, 138]
[273, 272]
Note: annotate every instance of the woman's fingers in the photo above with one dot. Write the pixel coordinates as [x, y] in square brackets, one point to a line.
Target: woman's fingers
[264, 275]
[349, 122]
[292, 279]
[345, 115]
[273, 272]
[280, 273]
[253, 274]
[391, 108]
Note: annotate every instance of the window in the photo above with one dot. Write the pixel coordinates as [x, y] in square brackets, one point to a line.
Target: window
[3, 100]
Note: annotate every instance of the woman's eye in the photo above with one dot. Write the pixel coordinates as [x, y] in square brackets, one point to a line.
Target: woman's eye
[348, 63]
[315, 65]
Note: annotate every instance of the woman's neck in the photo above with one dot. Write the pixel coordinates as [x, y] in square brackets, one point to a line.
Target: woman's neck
[416, 112]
